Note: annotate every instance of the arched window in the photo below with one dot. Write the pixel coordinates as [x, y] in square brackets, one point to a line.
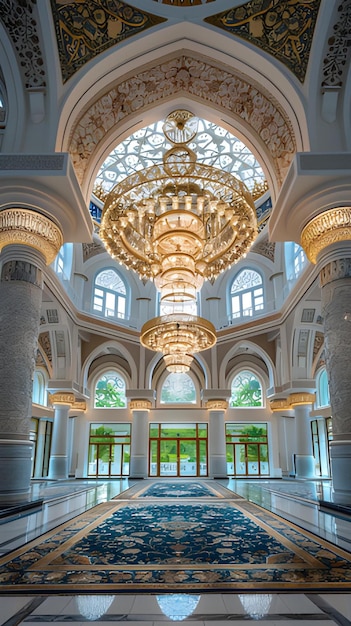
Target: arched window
[110, 294]
[178, 389]
[246, 294]
[246, 390]
[110, 391]
[63, 261]
[323, 397]
[39, 395]
[295, 260]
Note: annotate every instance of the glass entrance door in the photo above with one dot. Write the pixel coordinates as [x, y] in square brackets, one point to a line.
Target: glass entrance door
[247, 449]
[178, 450]
[109, 450]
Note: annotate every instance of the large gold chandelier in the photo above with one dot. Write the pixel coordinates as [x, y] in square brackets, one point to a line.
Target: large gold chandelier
[179, 223]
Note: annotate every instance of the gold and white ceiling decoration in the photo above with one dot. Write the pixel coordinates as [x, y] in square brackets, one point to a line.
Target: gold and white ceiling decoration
[178, 222]
[281, 28]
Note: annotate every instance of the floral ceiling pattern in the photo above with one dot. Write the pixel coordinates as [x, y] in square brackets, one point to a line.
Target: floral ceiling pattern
[202, 81]
[283, 28]
[84, 30]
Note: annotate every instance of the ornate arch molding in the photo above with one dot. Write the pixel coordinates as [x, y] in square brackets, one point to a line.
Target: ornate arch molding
[198, 78]
[240, 349]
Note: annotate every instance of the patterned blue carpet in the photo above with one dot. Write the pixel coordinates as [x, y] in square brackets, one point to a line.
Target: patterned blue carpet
[178, 490]
[170, 546]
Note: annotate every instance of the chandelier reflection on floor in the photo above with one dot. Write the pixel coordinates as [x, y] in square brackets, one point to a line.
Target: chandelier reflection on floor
[177, 606]
[93, 607]
[179, 223]
[256, 604]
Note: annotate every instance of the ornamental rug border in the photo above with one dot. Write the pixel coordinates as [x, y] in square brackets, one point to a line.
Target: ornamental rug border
[177, 489]
[274, 555]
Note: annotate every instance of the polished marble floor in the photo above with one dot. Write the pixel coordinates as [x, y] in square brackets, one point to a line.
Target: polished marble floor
[297, 501]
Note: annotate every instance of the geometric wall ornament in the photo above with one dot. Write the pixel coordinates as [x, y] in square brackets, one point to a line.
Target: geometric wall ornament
[283, 29]
[85, 29]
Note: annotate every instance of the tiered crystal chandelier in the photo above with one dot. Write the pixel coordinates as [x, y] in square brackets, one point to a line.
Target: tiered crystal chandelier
[179, 223]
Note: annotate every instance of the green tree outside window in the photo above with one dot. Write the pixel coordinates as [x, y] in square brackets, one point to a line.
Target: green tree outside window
[110, 391]
[246, 390]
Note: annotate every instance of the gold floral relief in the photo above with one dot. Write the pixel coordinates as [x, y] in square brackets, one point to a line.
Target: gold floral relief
[282, 28]
[85, 29]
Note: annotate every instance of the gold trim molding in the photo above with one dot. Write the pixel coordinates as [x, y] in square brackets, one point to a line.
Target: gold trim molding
[65, 398]
[216, 405]
[300, 398]
[79, 405]
[140, 405]
[280, 404]
[25, 227]
[325, 229]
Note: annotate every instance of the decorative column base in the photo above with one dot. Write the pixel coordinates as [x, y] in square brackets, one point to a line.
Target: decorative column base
[340, 460]
[15, 470]
[58, 467]
[304, 466]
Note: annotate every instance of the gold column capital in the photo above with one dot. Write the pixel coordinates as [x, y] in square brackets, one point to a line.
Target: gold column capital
[29, 228]
[325, 229]
[300, 398]
[62, 397]
[140, 405]
[280, 404]
[216, 405]
[79, 405]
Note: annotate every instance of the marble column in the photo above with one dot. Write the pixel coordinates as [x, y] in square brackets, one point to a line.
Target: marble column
[302, 403]
[286, 433]
[58, 464]
[327, 242]
[216, 438]
[140, 438]
[28, 241]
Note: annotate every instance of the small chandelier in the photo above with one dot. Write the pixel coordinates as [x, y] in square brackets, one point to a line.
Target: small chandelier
[179, 223]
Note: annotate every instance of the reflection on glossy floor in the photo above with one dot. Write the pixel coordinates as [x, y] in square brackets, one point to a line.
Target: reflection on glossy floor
[297, 501]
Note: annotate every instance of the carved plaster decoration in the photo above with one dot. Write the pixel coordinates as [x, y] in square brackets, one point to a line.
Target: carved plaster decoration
[85, 29]
[79, 405]
[325, 229]
[22, 271]
[39, 360]
[300, 398]
[321, 361]
[264, 247]
[91, 249]
[140, 405]
[17, 17]
[199, 78]
[22, 226]
[184, 3]
[335, 59]
[318, 342]
[216, 405]
[280, 404]
[32, 162]
[45, 346]
[282, 28]
[335, 270]
[62, 397]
